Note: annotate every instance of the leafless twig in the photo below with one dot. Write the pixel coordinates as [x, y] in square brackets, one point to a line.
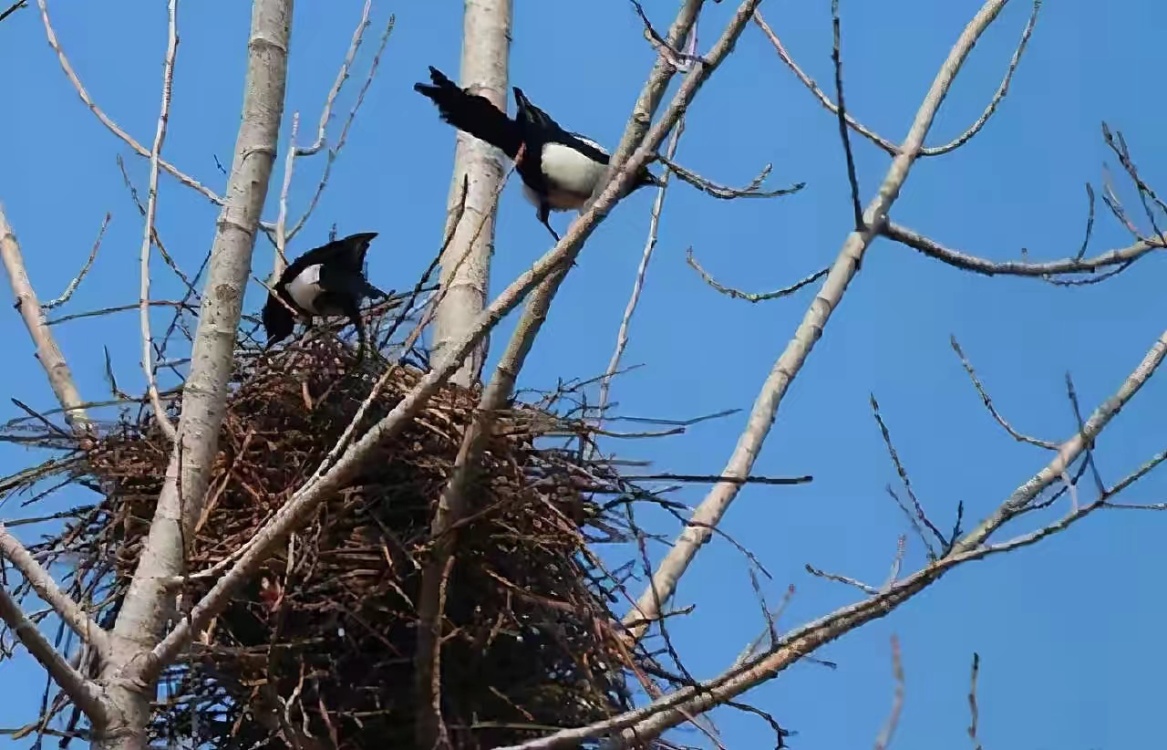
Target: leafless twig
[638, 283]
[105, 119]
[334, 151]
[160, 416]
[897, 704]
[76, 281]
[752, 190]
[974, 712]
[732, 293]
[988, 402]
[1072, 265]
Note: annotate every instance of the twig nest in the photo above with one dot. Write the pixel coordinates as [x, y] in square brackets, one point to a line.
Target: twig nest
[321, 642]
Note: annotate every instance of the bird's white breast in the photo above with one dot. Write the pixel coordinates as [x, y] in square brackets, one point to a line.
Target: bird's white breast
[571, 176]
[304, 288]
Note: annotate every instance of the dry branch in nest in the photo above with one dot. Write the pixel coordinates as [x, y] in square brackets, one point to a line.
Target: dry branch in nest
[321, 641]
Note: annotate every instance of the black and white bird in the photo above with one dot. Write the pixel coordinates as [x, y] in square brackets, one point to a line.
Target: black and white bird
[560, 169]
[325, 281]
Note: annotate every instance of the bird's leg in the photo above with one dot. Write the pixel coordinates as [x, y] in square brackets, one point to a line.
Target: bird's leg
[353, 313]
[544, 214]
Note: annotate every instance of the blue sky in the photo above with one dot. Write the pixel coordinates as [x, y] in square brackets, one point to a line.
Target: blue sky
[1069, 631]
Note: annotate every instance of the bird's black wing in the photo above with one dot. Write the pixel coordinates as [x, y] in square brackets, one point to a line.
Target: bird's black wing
[346, 252]
[471, 113]
[552, 130]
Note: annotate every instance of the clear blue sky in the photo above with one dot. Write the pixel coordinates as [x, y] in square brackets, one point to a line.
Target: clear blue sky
[1069, 632]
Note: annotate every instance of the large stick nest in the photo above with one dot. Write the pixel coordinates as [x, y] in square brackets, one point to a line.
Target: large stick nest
[322, 641]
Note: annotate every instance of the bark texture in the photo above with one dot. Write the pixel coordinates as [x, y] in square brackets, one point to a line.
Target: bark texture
[465, 271]
[148, 605]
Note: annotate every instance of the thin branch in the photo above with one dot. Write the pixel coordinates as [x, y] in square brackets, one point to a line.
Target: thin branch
[1072, 265]
[50, 356]
[998, 96]
[810, 330]
[988, 402]
[72, 287]
[897, 704]
[281, 260]
[109, 123]
[974, 712]
[641, 275]
[13, 8]
[84, 693]
[846, 580]
[841, 111]
[341, 76]
[723, 192]
[160, 416]
[334, 151]
[880, 141]
[733, 293]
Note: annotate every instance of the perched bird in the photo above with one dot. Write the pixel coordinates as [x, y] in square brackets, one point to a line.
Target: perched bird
[325, 281]
[559, 169]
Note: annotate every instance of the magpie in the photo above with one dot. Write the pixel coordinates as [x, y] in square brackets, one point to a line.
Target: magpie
[325, 281]
[560, 169]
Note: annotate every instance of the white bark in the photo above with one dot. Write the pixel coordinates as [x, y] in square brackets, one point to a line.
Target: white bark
[47, 351]
[465, 269]
[147, 606]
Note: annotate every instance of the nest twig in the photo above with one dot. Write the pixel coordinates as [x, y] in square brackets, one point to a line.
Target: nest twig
[320, 643]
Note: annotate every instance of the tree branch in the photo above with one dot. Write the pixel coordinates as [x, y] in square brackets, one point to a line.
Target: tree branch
[789, 364]
[160, 416]
[47, 351]
[1074, 265]
[47, 589]
[84, 693]
[113, 127]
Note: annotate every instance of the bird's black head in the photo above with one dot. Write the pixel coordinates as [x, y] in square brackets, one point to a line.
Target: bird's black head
[528, 113]
[278, 321]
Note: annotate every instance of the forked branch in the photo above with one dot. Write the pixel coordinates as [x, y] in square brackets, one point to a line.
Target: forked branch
[709, 513]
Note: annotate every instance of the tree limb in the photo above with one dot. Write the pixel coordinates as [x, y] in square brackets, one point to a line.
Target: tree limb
[84, 693]
[1074, 265]
[47, 351]
[789, 364]
[47, 589]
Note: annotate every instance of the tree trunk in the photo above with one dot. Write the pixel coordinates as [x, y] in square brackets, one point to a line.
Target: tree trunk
[485, 50]
[148, 606]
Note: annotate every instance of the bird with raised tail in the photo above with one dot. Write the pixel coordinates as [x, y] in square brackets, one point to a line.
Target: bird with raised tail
[559, 169]
[325, 281]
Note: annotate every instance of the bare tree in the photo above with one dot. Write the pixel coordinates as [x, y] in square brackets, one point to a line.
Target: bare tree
[115, 678]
